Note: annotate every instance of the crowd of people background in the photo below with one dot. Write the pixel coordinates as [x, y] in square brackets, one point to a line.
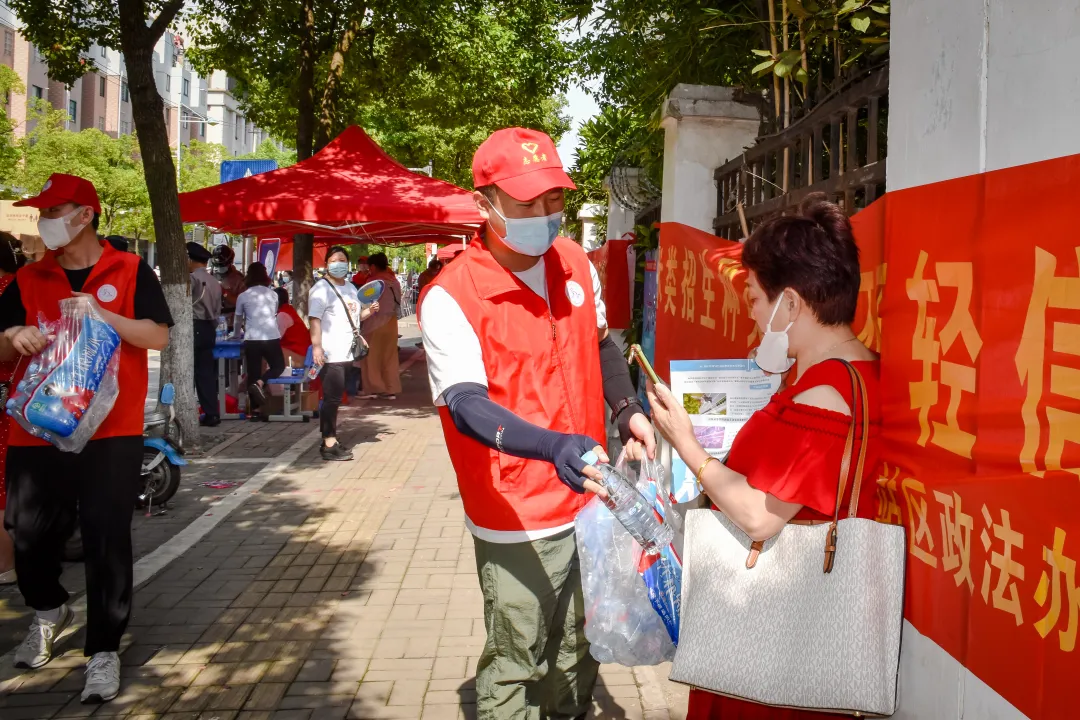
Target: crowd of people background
[520, 306]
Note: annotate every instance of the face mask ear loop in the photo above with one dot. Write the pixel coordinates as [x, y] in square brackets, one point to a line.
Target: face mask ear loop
[502, 238]
[776, 308]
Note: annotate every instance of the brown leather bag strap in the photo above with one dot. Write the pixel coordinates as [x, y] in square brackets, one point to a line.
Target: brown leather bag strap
[862, 405]
[859, 421]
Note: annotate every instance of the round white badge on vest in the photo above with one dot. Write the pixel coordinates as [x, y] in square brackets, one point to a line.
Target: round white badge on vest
[576, 294]
[106, 293]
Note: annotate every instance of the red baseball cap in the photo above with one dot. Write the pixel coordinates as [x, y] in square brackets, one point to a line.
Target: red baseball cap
[522, 162]
[60, 189]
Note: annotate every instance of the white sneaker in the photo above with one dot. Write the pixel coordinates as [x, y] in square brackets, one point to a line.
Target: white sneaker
[102, 678]
[36, 649]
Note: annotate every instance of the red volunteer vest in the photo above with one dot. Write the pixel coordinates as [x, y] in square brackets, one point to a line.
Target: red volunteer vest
[297, 337]
[544, 366]
[43, 285]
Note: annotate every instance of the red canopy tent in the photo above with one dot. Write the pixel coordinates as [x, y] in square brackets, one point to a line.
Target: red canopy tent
[350, 191]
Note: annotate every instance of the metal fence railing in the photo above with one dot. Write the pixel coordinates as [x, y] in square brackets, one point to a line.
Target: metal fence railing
[838, 148]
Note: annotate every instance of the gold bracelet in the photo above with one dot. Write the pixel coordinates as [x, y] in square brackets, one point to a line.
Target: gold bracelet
[701, 469]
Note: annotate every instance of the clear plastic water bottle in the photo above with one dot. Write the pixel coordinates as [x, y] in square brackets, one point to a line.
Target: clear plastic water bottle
[222, 328]
[632, 509]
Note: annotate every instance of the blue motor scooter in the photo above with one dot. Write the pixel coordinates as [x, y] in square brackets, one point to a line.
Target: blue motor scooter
[163, 453]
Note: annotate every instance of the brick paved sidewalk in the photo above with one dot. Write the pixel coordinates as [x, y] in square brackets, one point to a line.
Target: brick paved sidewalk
[336, 590]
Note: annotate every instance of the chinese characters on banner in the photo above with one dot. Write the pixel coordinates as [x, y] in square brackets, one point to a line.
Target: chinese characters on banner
[971, 293]
[980, 343]
[703, 312]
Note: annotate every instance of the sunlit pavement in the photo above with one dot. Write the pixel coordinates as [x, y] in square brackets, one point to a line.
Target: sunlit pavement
[307, 590]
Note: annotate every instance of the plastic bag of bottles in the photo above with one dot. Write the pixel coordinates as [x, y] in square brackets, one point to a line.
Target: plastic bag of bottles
[662, 570]
[621, 622]
[70, 386]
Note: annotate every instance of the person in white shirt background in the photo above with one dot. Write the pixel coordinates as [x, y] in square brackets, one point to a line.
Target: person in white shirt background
[256, 313]
[334, 311]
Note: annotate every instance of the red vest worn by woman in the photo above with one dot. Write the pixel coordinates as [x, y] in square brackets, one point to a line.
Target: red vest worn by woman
[543, 365]
[43, 285]
[297, 337]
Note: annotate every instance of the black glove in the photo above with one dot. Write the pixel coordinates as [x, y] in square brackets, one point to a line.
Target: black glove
[564, 452]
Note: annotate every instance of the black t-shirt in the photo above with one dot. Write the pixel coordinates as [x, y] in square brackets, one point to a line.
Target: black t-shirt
[149, 298]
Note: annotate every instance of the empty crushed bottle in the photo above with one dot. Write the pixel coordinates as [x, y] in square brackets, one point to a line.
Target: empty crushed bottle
[632, 509]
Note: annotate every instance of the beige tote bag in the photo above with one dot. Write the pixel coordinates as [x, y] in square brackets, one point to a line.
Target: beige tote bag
[810, 618]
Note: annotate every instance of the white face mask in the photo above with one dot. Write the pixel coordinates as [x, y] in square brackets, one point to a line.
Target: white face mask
[531, 236]
[56, 232]
[772, 351]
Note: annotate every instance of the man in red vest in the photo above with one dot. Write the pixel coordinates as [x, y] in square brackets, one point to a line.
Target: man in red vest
[46, 485]
[520, 364]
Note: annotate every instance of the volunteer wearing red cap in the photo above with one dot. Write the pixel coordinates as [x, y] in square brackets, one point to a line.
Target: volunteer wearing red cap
[520, 364]
[45, 485]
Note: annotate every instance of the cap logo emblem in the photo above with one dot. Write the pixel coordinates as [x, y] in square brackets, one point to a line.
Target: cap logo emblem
[530, 147]
[46, 186]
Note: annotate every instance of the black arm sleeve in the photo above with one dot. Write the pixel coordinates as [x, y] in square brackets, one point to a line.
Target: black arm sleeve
[150, 301]
[617, 384]
[477, 416]
[12, 312]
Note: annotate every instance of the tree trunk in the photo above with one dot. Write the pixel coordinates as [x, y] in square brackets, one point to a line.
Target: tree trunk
[137, 41]
[305, 135]
[328, 106]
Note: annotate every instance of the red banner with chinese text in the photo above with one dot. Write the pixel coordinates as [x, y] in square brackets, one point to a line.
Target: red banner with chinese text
[978, 325]
[610, 261]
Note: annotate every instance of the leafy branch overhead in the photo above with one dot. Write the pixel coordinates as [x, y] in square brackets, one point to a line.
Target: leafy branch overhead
[428, 79]
[785, 55]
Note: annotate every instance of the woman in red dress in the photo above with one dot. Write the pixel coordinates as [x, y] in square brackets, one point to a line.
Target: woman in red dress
[803, 284]
[8, 266]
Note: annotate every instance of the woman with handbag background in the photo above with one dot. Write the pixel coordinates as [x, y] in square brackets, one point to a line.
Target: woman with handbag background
[803, 280]
[334, 316]
[381, 376]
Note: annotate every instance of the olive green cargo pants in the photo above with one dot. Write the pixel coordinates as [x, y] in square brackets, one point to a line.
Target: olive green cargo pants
[536, 662]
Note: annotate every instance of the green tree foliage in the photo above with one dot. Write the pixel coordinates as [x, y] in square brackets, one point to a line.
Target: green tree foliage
[200, 165]
[270, 150]
[9, 151]
[113, 165]
[428, 79]
[785, 55]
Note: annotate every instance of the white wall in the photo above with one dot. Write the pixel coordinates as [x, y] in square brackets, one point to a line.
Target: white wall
[704, 127]
[974, 85]
[978, 85]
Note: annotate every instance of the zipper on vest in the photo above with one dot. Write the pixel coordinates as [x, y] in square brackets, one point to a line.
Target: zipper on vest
[562, 373]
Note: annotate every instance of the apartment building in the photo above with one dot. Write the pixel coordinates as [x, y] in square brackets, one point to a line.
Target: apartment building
[196, 108]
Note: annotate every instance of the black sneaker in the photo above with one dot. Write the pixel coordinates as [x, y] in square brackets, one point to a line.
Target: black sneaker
[210, 421]
[337, 452]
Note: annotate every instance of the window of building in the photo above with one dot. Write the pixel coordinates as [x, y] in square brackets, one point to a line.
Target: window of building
[168, 83]
[72, 109]
[104, 52]
[37, 92]
[125, 127]
[236, 128]
[9, 42]
[101, 86]
[38, 56]
[124, 91]
[202, 130]
[101, 123]
[187, 87]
